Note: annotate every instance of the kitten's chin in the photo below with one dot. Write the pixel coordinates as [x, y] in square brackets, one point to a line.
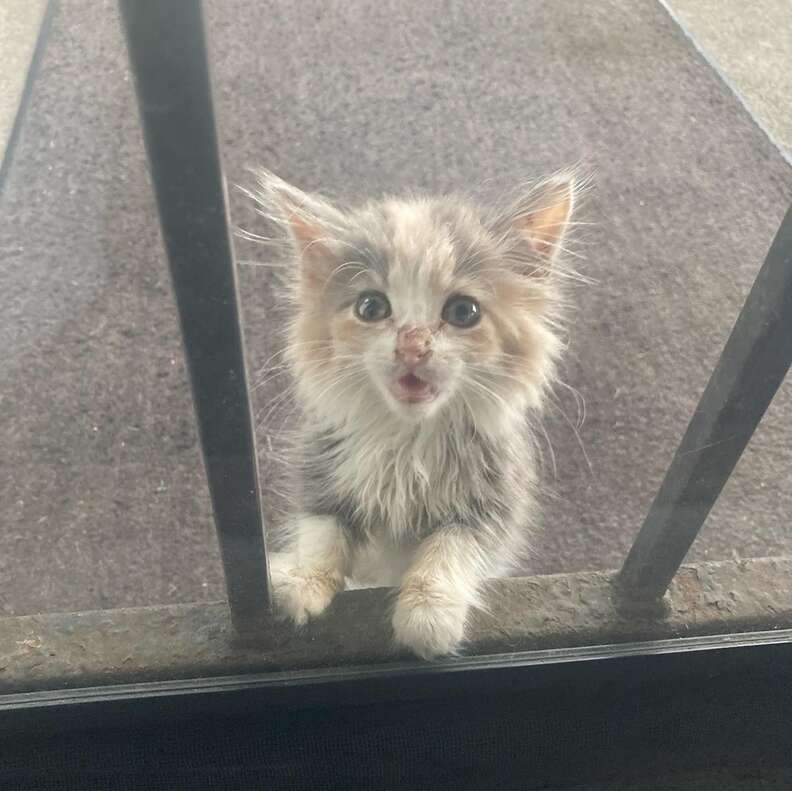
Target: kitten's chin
[415, 411]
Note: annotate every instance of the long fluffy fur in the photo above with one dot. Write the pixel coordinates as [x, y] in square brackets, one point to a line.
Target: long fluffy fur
[441, 500]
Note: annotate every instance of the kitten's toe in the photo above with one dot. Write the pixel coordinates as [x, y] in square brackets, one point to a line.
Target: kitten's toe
[302, 594]
[429, 625]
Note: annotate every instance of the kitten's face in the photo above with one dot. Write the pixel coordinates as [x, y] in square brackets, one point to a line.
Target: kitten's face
[408, 309]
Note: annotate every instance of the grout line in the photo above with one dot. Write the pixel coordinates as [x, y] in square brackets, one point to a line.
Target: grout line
[782, 149]
[7, 155]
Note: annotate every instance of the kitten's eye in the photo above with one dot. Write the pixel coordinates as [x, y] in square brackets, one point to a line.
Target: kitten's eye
[372, 306]
[462, 311]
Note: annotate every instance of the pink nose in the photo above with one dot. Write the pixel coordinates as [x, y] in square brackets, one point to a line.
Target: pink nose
[413, 345]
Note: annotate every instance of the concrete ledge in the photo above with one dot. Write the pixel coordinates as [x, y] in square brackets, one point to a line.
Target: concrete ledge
[44, 652]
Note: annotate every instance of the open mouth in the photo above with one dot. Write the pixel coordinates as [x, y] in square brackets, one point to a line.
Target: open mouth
[414, 390]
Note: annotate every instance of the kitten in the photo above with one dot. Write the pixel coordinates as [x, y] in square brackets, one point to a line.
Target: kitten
[424, 335]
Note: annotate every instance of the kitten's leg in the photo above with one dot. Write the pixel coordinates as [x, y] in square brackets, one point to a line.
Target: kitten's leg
[306, 578]
[438, 590]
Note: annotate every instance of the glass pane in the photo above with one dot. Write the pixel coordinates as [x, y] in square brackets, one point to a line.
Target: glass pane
[688, 193]
[654, 242]
[104, 500]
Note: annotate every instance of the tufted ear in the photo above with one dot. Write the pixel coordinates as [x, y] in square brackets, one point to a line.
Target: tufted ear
[536, 220]
[541, 216]
[314, 226]
[544, 217]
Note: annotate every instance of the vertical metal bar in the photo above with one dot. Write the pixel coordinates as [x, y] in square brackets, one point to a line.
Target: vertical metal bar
[167, 50]
[750, 370]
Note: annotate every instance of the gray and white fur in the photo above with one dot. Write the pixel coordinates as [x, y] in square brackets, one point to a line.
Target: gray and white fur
[414, 464]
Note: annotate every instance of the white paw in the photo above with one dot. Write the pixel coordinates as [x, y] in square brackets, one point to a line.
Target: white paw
[429, 625]
[303, 593]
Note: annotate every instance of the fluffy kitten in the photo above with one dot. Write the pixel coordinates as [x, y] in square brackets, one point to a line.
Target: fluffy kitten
[424, 335]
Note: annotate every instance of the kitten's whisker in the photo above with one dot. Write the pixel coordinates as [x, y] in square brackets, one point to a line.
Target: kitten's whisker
[572, 224]
[576, 433]
[259, 384]
[361, 269]
[279, 399]
[359, 376]
[566, 250]
[580, 401]
[550, 448]
[284, 369]
[507, 407]
[293, 347]
[274, 265]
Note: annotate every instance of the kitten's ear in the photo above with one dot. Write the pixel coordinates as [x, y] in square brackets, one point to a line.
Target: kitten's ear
[542, 216]
[314, 226]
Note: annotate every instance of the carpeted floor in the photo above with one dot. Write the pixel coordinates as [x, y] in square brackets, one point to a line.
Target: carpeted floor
[102, 491]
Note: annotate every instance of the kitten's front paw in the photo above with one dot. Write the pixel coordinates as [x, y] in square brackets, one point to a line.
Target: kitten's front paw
[428, 622]
[303, 593]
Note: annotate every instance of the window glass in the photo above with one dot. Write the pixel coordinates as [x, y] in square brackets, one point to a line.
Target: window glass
[680, 177]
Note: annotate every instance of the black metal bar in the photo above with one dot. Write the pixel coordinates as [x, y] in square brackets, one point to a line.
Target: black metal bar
[751, 368]
[7, 156]
[167, 49]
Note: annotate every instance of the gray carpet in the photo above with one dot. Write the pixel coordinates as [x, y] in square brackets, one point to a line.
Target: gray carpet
[103, 496]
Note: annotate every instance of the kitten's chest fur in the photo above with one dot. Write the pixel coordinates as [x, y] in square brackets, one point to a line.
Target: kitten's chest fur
[400, 486]
[403, 483]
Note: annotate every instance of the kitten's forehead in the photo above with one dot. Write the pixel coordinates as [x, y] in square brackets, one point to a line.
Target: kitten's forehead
[428, 239]
[417, 250]
[418, 238]
[422, 255]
